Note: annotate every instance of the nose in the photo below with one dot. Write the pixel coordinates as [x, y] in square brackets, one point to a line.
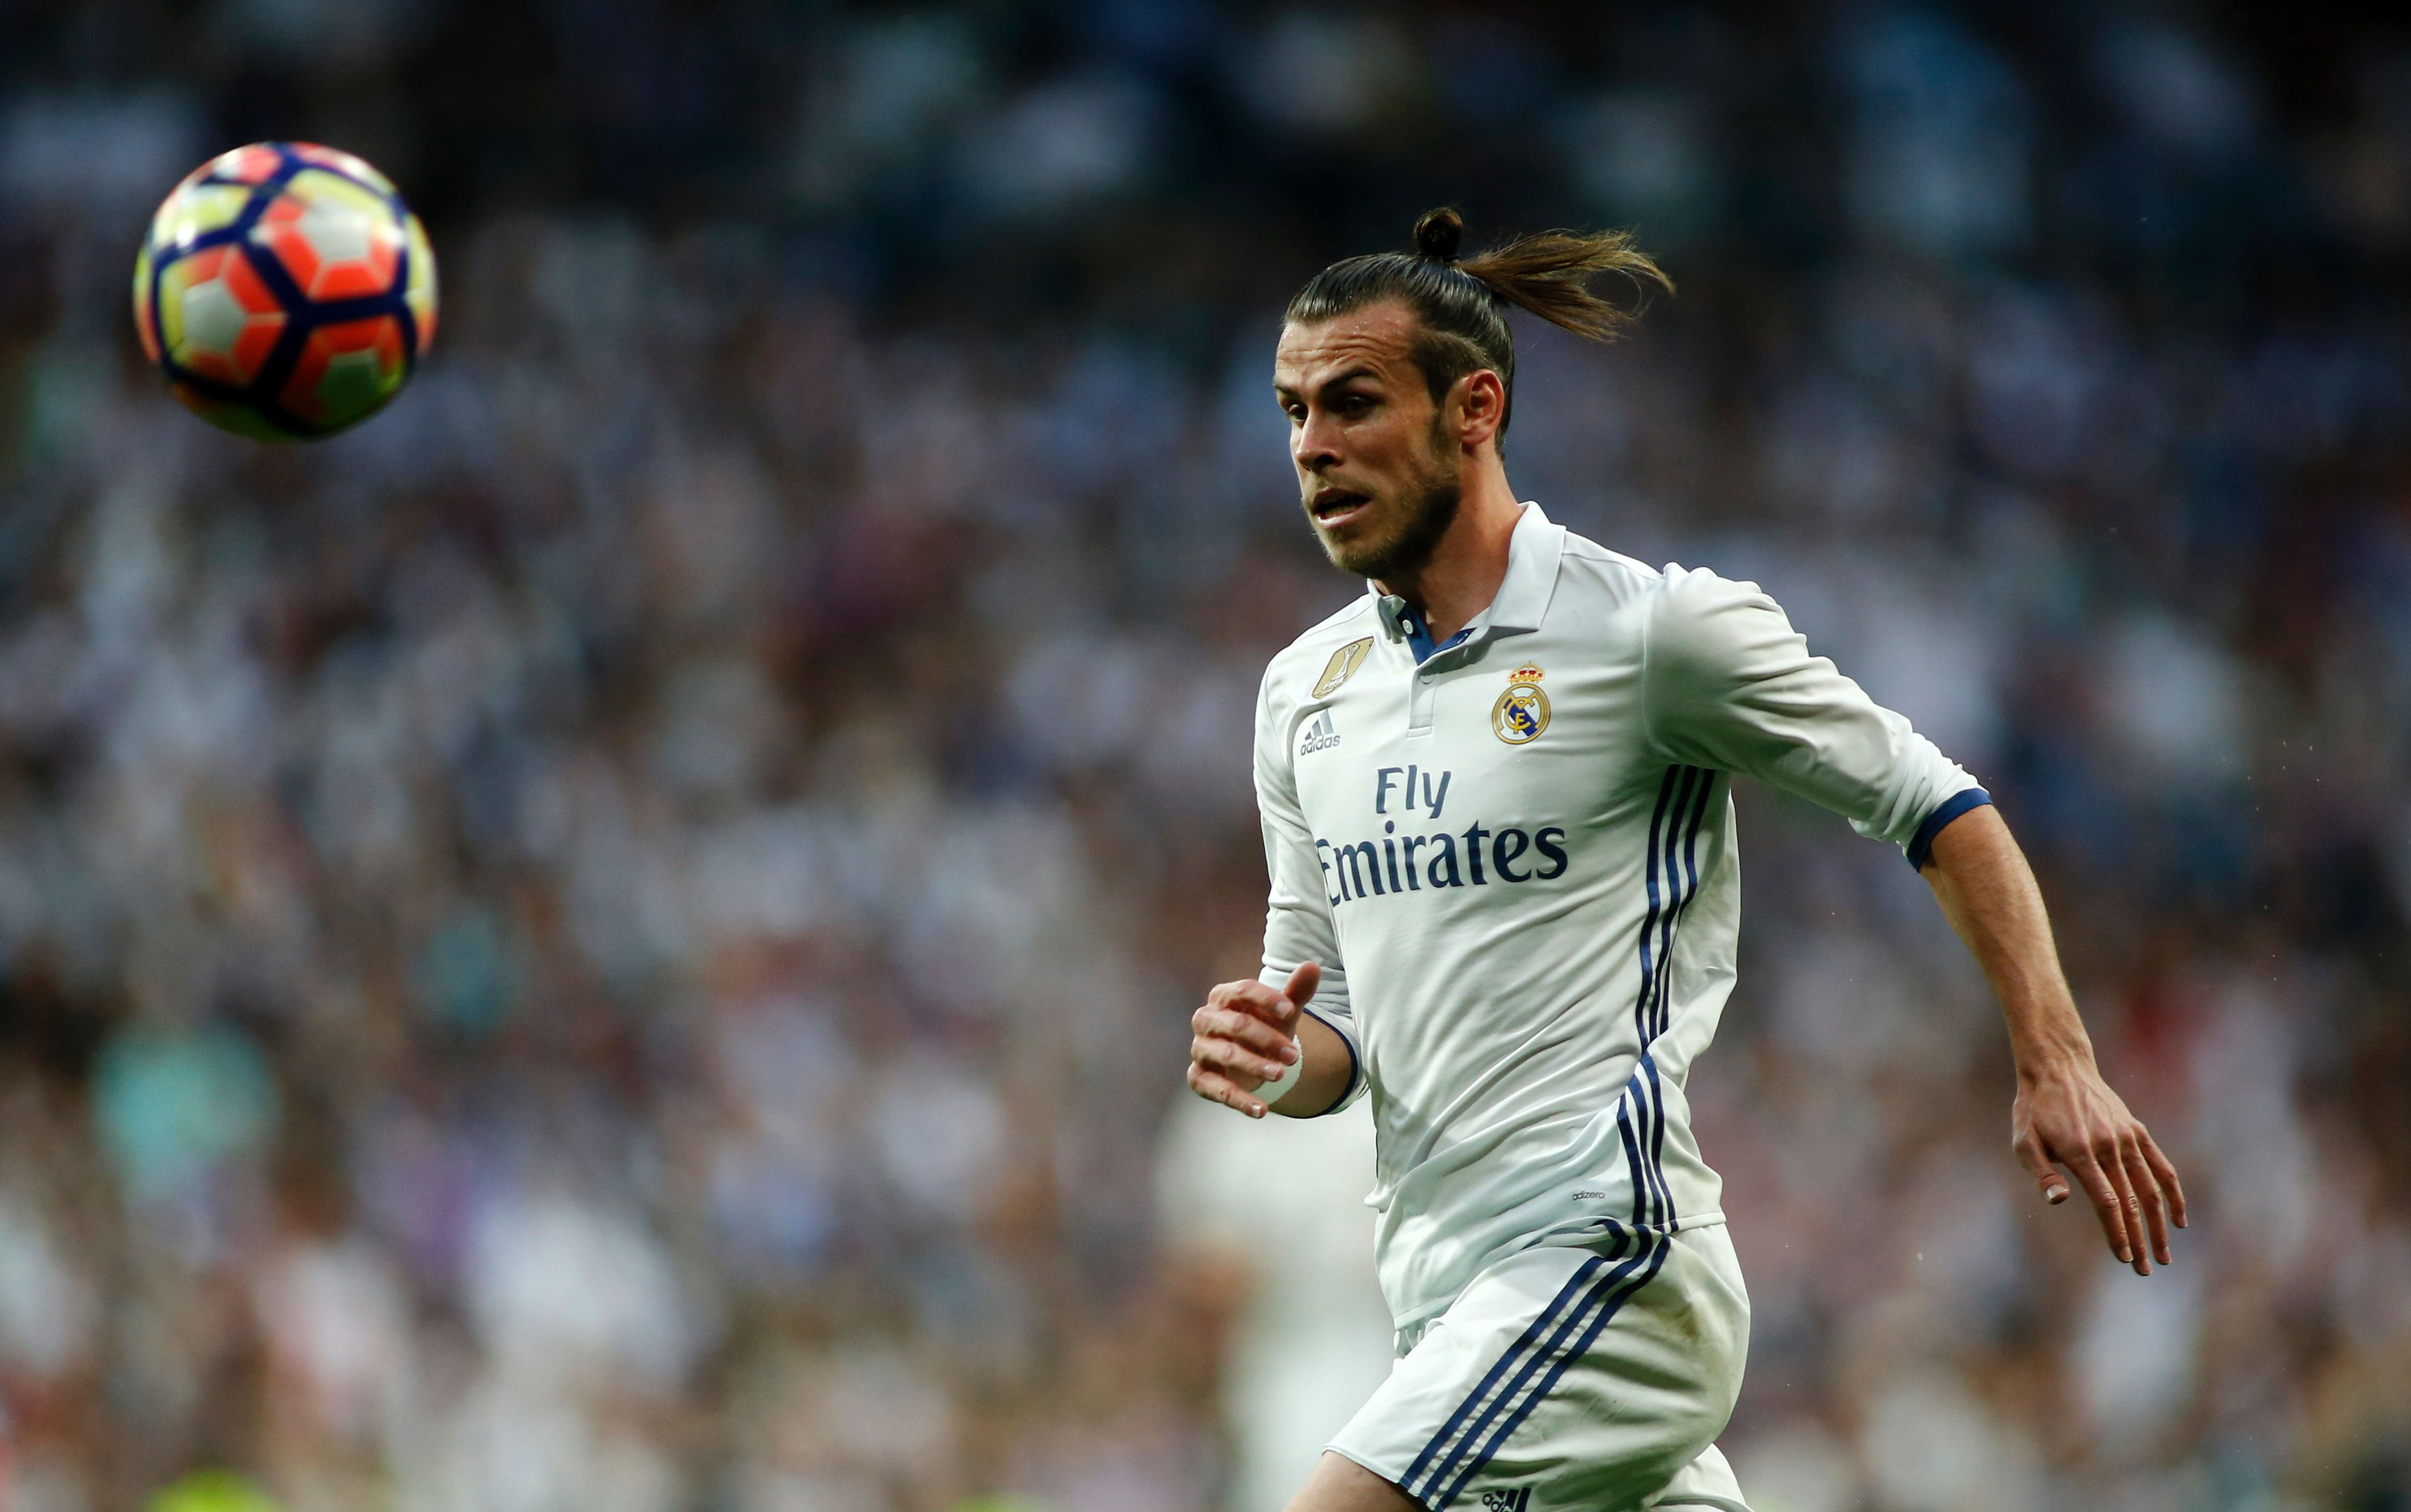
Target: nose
[1315, 444]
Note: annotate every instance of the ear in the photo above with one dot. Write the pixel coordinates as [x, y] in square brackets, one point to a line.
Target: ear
[1479, 404]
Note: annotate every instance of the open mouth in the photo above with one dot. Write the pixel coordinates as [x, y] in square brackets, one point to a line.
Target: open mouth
[1336, 506]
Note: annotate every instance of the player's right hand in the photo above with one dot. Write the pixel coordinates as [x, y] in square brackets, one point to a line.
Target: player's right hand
[1246, 1035]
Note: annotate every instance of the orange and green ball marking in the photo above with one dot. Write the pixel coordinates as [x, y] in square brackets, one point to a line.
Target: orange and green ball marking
[284, 290]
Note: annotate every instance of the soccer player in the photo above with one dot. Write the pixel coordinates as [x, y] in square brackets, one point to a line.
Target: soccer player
[1504, 898]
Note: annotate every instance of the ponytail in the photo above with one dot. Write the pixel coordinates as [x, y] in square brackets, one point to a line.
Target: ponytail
[1462, 304]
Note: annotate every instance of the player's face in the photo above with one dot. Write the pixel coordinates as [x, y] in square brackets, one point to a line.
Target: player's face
[1376, 475]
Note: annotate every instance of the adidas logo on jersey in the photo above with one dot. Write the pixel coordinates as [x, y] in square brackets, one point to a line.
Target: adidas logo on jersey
[1515, 1500]
[1320, 736]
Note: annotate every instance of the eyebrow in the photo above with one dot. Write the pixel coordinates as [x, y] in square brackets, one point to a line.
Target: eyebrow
[1362, 370]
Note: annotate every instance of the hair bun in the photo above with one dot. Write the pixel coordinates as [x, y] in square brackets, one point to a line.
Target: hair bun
[1439, 234]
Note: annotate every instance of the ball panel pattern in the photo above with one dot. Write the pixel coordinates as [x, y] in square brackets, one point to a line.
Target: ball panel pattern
[284, 290]
[195, 210]
[236, 415]
[347, 369]
[345, 165]
[143, 319]
[255, 164]
[217, 319]
[420, 294]
[337, 239]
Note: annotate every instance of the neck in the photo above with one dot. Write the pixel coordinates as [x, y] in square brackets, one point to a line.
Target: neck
[1466, 568]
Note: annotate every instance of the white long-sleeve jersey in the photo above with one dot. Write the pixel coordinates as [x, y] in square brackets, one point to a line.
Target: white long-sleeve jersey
[1513, 856]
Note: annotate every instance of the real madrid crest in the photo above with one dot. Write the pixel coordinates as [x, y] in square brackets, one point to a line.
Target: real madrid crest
[1342, 666]
[1523, 711]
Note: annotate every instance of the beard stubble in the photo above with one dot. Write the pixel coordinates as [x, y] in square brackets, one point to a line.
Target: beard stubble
[1430, 510]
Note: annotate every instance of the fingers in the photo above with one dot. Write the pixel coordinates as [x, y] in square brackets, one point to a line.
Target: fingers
[2146, 1190]
[2078, 1123]
[1275, 1007]
[2108, 1205]
[1217, 1088]
[2130, 1207]
[2030, 1154]
[1244, 1037]
[1211, 1023]
[1233, 1059]
[2165, 1173]
[1302, 982]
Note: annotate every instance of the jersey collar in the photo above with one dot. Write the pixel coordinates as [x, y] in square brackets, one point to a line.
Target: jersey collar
[1523, 598]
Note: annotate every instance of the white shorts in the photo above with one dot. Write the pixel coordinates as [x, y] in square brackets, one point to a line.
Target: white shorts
[1570, 1378]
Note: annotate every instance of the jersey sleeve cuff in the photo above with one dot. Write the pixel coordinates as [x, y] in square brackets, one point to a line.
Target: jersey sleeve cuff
[1921, 845]
[1355, 1064]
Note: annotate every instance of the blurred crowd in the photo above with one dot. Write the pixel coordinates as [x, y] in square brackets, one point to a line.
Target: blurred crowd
[621, 937]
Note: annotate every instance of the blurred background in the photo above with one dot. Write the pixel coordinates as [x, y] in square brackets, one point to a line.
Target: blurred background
[620, 939]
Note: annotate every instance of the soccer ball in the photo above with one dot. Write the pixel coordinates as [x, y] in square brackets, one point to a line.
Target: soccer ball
[284, 290]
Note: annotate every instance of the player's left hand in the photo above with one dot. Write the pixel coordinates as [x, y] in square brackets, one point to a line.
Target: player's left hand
[2067, 1115]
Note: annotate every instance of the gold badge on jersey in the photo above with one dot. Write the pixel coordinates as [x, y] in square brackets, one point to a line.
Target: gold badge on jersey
[1343, 665]
[1523, 711]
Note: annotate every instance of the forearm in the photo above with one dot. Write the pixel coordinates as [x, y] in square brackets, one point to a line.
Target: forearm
[1988, 893]
[2064, 1113]
[1326, 1066]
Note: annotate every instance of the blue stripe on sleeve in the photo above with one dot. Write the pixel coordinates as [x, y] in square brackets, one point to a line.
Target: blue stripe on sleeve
[1921, 845]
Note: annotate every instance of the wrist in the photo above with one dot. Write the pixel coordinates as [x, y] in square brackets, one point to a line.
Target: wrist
[1274, 1090]
[2049, 1058]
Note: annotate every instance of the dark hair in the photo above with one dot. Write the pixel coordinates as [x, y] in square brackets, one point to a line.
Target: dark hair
[1463, 305]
